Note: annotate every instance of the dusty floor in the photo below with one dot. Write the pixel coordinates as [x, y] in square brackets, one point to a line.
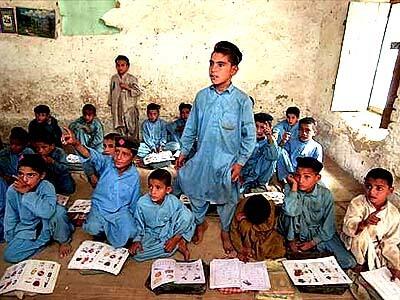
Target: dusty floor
[129, 284]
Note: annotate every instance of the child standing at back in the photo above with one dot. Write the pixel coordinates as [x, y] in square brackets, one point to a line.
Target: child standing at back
[371, 226]
[123, 97]
[222, 123]
[164, 224]
[45, 122]
[289, 127]
[308, 214]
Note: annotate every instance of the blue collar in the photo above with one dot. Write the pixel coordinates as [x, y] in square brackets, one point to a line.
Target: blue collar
[228, 90]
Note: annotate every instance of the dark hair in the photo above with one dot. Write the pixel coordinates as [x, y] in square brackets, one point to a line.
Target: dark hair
[380, 173]
[34, 161]
[124, 58]
[263, 118]
[19, 134]
[111, 136]
[309, 162]
[308, 121]
[89, 108]
[293, 110]
[42, 109]
[153, 106]
[162, 175]
[229, 49]
[42, 136]
[257, 209]
[183, 105]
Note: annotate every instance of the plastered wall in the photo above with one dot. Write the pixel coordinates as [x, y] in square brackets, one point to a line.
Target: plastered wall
[291, 51]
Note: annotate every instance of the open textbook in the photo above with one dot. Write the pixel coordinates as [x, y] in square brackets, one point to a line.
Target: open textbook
[98, 256]
[158, 157]
[81, 206]
[30, 276]
[168, 270]
[317, 271]
[226, 273]
[379, 279]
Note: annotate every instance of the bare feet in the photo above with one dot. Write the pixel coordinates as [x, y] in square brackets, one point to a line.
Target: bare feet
[226, 242]
[183, 249]
[64, 250]
[199, 233]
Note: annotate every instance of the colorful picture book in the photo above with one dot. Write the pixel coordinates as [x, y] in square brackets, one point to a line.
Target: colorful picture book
[168, 270]
[232, 273]
[158, 157]
[98, 256]
[379, 279]
[81, 206]
[30, 276]
[317, 271]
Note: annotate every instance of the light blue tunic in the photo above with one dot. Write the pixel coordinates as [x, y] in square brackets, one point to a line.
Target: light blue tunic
[32, 220]
[311, 216]
[3, 191]
[293, 149]
[113, 201]
[174, 130]
[9, 161]
[90, 135]
[282, 127]
[261, 165]
[223, 125]
[158, 223]
[58, 173]
[154, 136]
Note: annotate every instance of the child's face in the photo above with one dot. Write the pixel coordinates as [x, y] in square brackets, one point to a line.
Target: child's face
[44, 149]
[122, 158]
[262, 129]
[109, 147]
[16, 146]
[122, 67]
[158, 190]
[291, 119]
[306, 179]
[152, 115]
[30, 177]
[42, 117]
[88, 116]
[306, 132]
[184, 113]
[377, 191]
[221, 70]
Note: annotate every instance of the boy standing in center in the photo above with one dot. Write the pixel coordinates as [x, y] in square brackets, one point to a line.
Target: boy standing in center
[222, 123]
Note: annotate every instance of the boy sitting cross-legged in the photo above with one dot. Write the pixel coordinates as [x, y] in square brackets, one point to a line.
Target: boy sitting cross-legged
[308, 219]
[371, 226]
[164, 224]
[115, 196]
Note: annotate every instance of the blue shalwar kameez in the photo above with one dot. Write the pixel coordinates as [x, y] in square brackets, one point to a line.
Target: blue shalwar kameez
[157, 223]
[223, 125]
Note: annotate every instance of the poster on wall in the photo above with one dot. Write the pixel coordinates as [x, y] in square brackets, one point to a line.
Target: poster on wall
[36, 22]
[7, 20]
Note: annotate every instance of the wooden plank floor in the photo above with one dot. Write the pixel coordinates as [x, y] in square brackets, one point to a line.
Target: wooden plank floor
[129, 284]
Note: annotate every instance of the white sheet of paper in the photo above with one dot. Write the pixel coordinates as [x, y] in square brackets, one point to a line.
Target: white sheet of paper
[225, 273]
[254, 276]
[276, 197]
[81, 206]
[158, 157]
[379, 279]
[318, 271]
